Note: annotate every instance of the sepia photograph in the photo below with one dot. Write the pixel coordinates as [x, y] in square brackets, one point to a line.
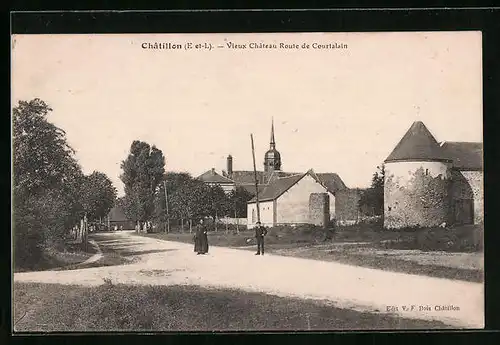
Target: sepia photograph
[247, 182]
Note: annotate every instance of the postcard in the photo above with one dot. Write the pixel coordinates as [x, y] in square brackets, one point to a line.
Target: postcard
[247, 182]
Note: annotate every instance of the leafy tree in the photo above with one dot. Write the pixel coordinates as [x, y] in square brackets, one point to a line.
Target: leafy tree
[216, 202]
[46, 181]
[372, 199]
[98, 195]
[173, 181]
[143, 171]
[42, 158]
[238, 200]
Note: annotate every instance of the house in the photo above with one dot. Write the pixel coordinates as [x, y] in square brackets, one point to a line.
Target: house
[429, 183]
[212, 178]
[116, 216]
[284, 197]
[231, 179]
[307, 198]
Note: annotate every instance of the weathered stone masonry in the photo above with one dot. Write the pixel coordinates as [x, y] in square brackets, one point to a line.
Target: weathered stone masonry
[419, 199]
[429, 184]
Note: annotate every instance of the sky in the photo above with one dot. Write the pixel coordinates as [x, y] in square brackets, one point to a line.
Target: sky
[335, 110]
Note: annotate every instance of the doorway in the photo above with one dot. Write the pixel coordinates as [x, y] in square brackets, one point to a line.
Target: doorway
[463, 211]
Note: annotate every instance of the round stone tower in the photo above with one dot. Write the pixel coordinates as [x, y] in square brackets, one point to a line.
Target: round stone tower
[417, 182]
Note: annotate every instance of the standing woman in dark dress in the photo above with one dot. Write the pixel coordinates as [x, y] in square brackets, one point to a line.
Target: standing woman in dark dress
[204, 238]
[197, 237]
[201, 239]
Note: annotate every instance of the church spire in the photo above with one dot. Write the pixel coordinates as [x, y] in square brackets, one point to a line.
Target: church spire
[272, 158]
[273, 143]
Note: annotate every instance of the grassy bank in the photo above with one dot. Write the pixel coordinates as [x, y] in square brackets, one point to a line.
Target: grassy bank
[60, 256]
[52, 307]
[355, 256]
[467, 238]
[276, 236]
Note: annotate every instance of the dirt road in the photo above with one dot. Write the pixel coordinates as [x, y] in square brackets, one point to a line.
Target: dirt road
[457, 303]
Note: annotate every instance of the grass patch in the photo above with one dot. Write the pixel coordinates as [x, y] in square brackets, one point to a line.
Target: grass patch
[467, 238]
[59, 257]
[302, 235]
[53, 307]
[463, 239]
[392, 264]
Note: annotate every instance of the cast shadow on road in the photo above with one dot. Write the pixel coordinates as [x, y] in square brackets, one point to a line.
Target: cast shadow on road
[143, 252]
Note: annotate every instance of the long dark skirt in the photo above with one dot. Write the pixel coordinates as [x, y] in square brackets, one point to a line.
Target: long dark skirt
[197, 246]
[203, 244]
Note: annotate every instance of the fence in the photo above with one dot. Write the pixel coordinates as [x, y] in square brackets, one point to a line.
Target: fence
[232, 221]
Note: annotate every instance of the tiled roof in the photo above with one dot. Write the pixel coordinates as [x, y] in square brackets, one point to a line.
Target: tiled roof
[331, 181]
[250, 187]
[417, 144]
[278, 187]
[241, 176]
[211, 176]
[465, 155]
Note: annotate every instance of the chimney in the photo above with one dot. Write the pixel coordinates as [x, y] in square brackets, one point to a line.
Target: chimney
[229, 165]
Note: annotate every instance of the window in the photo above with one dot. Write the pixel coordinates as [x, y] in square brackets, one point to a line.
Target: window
[426, 171]
[253, 215]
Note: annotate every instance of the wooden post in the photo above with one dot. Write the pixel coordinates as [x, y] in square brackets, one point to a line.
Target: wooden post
[256, 181]
[166, 205]
[85, 232]
[237, 221]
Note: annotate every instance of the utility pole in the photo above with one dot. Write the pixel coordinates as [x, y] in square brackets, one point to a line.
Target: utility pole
[256, 181]
[166, 204]
[85, 233]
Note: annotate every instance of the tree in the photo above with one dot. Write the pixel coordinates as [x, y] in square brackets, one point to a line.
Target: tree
[238, 199]
[42, 158]
[46, 181]
[98, 195]
[173, 181]
[143, 170]
[372, 199]
[216, 202]
[185, 202]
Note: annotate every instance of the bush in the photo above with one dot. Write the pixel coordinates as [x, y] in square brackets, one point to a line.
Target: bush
[28, 247]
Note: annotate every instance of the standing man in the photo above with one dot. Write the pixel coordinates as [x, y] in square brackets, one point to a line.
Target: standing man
[260, 232]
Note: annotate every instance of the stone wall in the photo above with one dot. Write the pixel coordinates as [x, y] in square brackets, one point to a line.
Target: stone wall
[417, 194]
[469, 185]
[319, 209]
[346, 206]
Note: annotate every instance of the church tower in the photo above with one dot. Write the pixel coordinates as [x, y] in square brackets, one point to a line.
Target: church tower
[272, 158]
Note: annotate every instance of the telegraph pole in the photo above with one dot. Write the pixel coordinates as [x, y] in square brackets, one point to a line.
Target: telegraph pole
[166, 204]
[256, 181]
